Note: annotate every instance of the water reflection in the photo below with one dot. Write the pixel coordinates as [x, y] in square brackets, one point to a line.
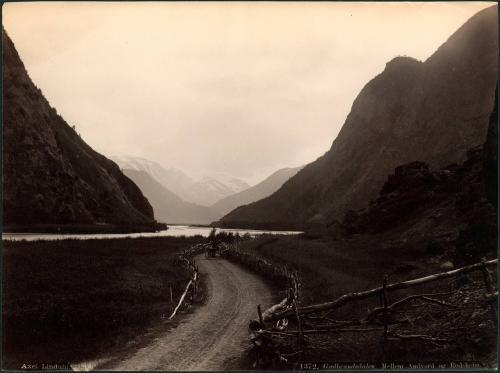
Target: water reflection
[173, 231]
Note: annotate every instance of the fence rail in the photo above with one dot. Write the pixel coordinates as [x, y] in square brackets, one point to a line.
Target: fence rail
[311, 319]
[346, 298]
[186, 258]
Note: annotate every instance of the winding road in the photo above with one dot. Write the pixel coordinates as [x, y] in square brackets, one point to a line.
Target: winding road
[215, 335]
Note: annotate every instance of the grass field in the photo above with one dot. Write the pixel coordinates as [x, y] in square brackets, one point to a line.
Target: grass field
[69, 300]
[330, 268]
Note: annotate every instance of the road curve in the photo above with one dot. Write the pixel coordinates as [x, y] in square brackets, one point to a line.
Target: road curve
[214, 335]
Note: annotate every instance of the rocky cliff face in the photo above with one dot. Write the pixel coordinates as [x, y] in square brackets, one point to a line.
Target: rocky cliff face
[50, 175]
[447, 211]
[432, 111]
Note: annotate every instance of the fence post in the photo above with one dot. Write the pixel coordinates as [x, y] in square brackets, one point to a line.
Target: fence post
[384, 299]
[300, 336]
[488, 282]
[261, 319]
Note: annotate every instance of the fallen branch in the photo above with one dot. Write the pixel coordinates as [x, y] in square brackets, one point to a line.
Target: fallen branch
[327, 319]
[334, 330]
[267, 314]
[424, 296]
[292, 354]
[419, 337]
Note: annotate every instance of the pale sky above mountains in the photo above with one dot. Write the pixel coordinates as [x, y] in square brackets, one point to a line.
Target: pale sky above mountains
[238, 88]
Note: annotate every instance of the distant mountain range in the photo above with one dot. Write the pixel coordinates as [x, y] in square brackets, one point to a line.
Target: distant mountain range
[206, 191]
[261, 190]
[432, 111]
[168, 207]
[51, 177]
[158, 185]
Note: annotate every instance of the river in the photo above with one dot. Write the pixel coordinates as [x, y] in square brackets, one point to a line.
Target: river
[172, 231]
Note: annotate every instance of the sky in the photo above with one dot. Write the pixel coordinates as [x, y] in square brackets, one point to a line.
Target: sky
[237, 88]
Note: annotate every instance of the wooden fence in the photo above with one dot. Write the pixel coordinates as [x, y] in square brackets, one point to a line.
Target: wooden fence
[186, 258]
[313, 319]
[279, 274]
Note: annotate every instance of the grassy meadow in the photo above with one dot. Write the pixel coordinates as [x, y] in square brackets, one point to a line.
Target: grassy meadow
[330, 268]
[70, 300]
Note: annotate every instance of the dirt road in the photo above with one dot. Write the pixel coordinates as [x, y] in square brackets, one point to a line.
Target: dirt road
[214, 336]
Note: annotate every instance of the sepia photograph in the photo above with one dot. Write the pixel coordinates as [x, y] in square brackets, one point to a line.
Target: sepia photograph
[249, 186]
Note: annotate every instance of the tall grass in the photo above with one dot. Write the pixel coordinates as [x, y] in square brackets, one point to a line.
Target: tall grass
[69, 300]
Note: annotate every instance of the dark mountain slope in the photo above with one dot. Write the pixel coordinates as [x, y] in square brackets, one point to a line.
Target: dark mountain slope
[433, 112]
[50, 175]
[448, 211]
[263, 189]
[168, 207]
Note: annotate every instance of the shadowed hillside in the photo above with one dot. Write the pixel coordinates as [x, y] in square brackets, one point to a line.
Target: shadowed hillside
[262, 190]
[50, 175]
[168, 207]
[432, 111]
[446, 212]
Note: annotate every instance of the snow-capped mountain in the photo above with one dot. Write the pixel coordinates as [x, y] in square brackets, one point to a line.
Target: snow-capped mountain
[205, 191]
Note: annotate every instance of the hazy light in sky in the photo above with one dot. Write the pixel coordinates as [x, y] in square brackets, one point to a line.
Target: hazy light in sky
[240, 88]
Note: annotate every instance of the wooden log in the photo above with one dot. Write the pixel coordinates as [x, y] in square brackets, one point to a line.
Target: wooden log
[333, 330]
[346, 298]
[267, 314]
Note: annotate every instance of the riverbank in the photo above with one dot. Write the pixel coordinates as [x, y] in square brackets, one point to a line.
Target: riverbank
[171, 231]
[71, 300]
[84, 228]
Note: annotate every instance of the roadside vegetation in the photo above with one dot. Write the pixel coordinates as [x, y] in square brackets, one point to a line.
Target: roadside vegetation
[70, 300]
[329, 268]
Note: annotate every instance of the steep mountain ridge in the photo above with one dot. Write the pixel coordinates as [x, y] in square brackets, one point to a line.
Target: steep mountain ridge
[168, 207]
[261, 190]
[50, 175]
[206, 191]
[450, 212]
[432, 111]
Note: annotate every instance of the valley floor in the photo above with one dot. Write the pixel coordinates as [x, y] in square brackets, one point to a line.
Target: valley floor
[80, 301]
[71, 300]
